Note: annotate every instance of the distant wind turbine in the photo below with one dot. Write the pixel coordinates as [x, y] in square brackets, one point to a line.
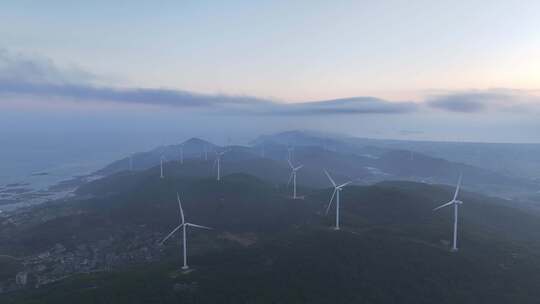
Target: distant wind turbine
[293, 177]
[161, 175]
[183, 225]
[218, 163]
[337, 190]
[131, 162]
[456, 203]
[205, 152]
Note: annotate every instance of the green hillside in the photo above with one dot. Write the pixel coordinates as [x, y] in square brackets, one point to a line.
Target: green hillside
[267, 248]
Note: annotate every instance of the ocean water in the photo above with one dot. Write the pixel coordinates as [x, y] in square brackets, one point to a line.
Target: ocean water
[60, 144]
[39, 162]
[33, 162]
[65, 143]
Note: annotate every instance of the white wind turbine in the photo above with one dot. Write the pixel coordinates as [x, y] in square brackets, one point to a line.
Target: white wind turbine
[183, 225]
[293, 177]
[456, 203]
[337, 190]
[218, 162]
[161, 167]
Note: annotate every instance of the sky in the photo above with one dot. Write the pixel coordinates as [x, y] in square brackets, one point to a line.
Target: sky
[426, 70]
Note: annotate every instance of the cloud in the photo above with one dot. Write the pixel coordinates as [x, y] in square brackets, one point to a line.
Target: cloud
[354, 105]
[155, 97]
[41, 78]
[483, 101]
[17, 67]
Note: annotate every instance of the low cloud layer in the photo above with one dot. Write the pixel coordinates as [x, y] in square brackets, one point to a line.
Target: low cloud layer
[39, 77]
[155, 97]
[355, 105]
[184, 99]
[484, 101]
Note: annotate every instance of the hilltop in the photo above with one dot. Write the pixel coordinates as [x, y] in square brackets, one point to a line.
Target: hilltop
[363, 161]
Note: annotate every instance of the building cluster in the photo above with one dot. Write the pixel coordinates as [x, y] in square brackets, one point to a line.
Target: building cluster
[61, 261]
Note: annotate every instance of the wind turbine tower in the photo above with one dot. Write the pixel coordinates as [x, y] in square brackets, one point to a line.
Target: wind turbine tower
[161, 167]
[337, 190]
[454, 202]
[183, 225]
[218, 163]
[293, 177]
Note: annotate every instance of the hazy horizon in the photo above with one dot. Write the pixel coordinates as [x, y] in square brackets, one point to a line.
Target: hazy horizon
[458, 71]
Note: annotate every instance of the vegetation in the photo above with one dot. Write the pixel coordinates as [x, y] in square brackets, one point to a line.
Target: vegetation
[392, 248]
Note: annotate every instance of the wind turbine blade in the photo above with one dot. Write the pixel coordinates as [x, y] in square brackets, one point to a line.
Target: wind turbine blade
[331, 200]
[345, 184]
[198, 226]
[330, 178]
[290, 179]
[444, 205]
[171, 234]
[298, 168]
[290, 164]
[180, 206]
[457, 187]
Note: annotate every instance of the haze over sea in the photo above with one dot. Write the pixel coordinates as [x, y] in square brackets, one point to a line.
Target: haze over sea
[38, 149]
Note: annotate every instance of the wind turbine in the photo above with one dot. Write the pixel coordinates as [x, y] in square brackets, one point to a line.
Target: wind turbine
[205, 152]
[161, 160]
[161, 167]
[337, 190]
[293, 177]
[218, 162]
[456, 203]
[183, 225]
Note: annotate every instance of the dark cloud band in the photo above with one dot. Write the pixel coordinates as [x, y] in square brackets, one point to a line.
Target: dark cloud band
[482, 101]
